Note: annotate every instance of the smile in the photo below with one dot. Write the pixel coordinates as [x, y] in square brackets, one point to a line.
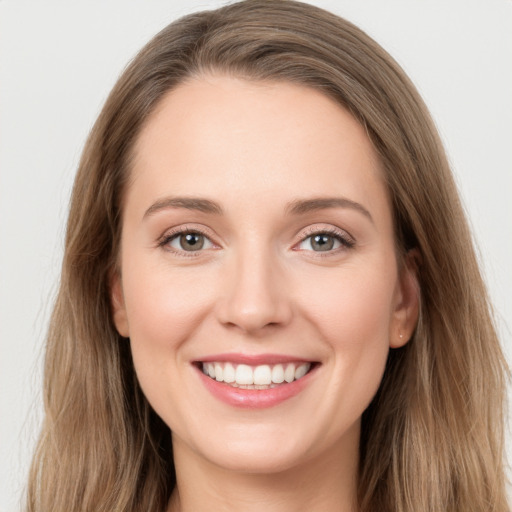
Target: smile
[255, 382]
[263, 376]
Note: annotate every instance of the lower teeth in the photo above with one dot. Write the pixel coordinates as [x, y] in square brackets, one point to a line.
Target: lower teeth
[252, 386]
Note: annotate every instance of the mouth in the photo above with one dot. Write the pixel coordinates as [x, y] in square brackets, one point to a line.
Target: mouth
[255, 382]
[262, 376]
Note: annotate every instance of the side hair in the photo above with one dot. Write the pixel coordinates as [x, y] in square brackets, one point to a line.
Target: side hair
[432, 438]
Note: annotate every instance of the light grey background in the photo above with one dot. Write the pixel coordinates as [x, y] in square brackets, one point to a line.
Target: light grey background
[59, 59]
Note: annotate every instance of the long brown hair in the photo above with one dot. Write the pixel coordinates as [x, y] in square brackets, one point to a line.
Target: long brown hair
[432, 438]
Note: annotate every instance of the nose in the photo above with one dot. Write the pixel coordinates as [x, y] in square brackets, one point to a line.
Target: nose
[254, 296]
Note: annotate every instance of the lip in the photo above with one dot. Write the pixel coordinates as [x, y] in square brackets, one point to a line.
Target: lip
[253, 360]
[255, 398]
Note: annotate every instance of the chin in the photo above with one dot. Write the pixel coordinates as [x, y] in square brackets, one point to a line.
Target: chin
[258, 449]
[256, 459]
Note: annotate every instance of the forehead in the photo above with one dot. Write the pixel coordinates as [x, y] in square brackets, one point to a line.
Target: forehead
[242, 140]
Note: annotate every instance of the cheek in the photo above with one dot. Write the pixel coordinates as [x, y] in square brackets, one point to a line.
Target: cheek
[164, 308]
[353, 318]
[354, 307]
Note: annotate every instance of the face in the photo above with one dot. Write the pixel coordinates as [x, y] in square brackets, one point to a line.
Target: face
[259, 284]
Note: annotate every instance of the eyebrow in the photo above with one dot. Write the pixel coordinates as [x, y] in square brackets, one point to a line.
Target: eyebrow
[189, 203]
[296, 207]
[302, 206]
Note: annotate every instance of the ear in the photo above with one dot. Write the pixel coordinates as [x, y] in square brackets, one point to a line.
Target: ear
[118, 306]
[407, 301]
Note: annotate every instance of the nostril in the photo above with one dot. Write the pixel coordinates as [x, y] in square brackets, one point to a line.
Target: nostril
[254, 300]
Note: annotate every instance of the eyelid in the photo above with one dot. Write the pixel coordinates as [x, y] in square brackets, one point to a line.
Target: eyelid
[346, 239]
[172, 233]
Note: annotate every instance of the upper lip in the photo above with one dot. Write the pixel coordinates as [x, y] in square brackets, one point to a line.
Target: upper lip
[252, 359]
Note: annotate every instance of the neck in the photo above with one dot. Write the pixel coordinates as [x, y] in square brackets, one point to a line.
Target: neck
[326, 482]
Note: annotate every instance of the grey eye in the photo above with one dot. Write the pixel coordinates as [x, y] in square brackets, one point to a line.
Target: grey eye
[320, 242]
[190, 241]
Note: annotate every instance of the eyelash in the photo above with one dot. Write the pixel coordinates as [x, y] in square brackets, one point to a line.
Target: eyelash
[184, 230]
[346, 241]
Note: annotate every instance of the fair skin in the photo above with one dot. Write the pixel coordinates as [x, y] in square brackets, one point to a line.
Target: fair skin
[266, 278]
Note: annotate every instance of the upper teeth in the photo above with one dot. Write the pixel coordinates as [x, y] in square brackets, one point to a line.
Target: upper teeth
[261, 375]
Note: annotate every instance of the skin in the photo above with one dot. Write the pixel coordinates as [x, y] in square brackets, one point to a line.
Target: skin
[258, 286]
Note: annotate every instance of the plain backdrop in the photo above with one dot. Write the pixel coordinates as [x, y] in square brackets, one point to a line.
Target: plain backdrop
[58, 61]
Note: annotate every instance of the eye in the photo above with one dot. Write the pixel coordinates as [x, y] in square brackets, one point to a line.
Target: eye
[325, 241]
[188, 241]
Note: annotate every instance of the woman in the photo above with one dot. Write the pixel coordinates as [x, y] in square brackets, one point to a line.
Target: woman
[267, 257]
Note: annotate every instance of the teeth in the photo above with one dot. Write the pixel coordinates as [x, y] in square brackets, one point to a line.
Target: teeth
[229, 373]
[289, 373]
[244, 374]
[262, 375]
[301, 371]
[278, 374]
[257, 377]
[219, 372]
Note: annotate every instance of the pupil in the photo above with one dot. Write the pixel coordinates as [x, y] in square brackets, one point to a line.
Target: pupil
[192, 241]
[322, 242]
